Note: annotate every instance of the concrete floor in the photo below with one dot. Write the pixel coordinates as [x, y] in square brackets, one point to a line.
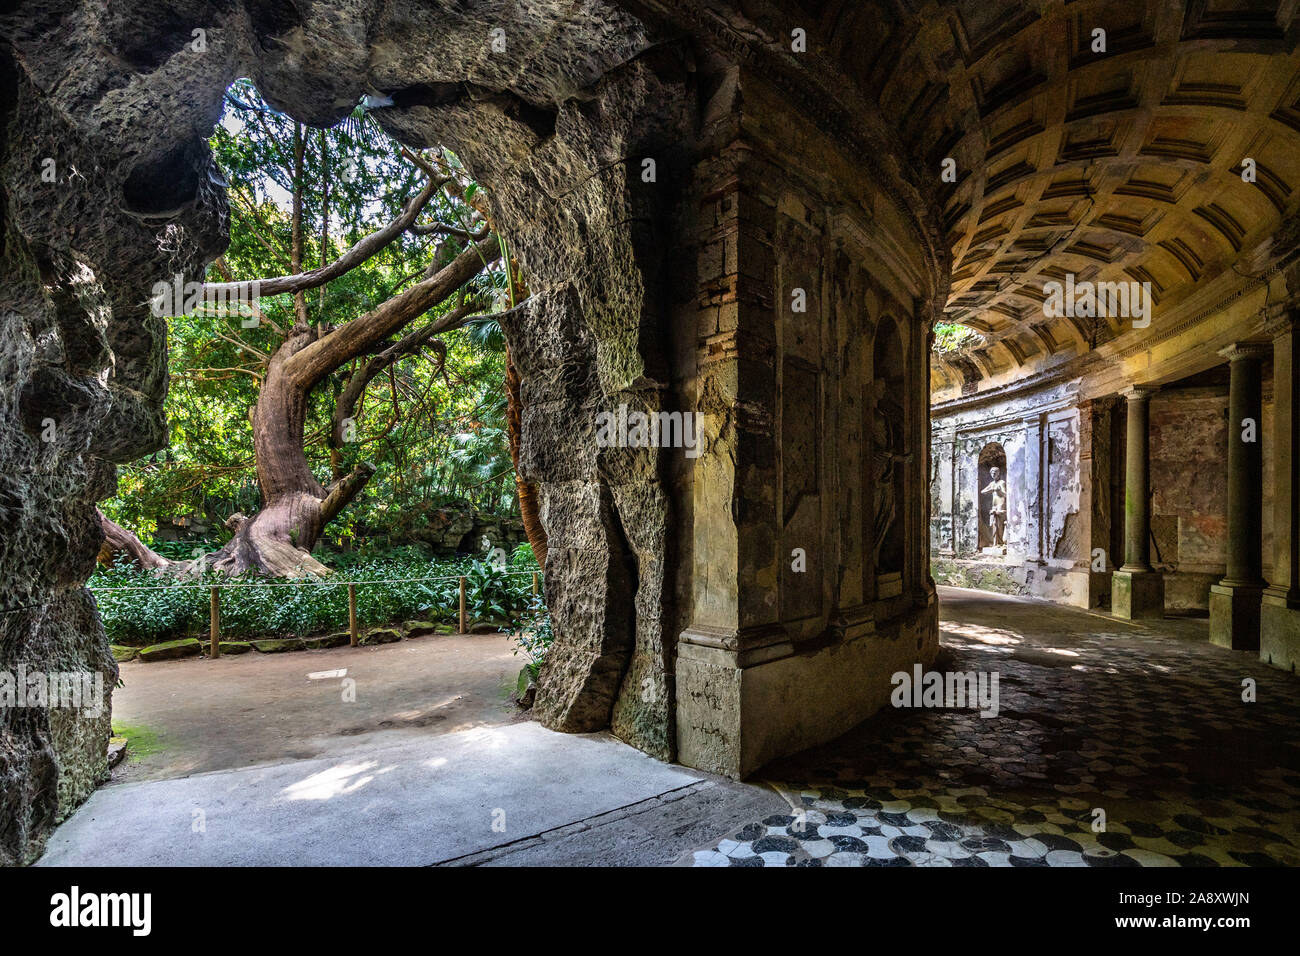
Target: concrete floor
[258, 760]
[415, 803]
[1143, 721]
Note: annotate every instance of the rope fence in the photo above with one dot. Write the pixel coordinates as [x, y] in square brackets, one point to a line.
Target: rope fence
[214, 598]
[296, 583]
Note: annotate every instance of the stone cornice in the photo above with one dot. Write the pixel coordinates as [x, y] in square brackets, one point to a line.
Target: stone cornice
[1139, 393]
[1281, 323]
[1238, 351]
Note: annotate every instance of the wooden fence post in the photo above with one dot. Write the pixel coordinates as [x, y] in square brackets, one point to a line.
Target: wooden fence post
[214, 622]
[464, 623]
[352, 614]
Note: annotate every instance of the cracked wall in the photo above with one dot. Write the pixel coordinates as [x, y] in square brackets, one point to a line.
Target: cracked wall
[1046, 551]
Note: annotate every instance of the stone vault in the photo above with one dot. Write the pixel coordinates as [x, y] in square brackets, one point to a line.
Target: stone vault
[777, 274]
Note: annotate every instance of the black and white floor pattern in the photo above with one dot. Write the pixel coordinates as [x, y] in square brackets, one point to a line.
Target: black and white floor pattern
[1128, 747]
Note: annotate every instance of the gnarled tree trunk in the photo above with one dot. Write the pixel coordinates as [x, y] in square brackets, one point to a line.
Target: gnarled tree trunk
[296, 507]
[117, 540]
[525, 491]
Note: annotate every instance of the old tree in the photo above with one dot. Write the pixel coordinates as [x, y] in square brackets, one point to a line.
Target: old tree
[350, 258]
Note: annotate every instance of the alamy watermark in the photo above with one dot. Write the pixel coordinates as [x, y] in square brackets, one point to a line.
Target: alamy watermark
[73, 690]
[1126, 300]
[958, 690]
[133, 911]
[624, 429]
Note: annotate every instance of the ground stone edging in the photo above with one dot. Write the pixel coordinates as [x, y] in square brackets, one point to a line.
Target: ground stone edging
[193, 647]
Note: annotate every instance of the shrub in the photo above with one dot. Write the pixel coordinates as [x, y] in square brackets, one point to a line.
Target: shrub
[536, 636]
[159, 607]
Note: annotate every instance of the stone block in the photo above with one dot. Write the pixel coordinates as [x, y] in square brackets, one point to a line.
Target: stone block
[736, 715]
[278, 645]
[423, 628]
[1137, 594]
[1235, 616]
[171, 650]
[1279, 634]
[380, 635]
[323, 641]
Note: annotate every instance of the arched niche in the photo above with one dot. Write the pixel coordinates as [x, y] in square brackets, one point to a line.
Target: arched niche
[993, 498]
[889, 456]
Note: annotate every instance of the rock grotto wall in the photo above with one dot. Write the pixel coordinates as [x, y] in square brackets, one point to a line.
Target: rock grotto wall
[121, 100]
[659, 287]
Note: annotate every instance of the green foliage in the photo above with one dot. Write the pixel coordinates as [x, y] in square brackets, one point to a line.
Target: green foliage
[166, 608]
[434, 431]
[493, 593]
[536, 636]
[948, 337]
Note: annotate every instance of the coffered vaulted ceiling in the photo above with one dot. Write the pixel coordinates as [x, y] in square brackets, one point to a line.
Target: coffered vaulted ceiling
[1123, 165]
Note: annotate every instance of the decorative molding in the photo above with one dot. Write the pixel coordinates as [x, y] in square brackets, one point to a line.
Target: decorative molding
[1139, 393]
[1241, 351]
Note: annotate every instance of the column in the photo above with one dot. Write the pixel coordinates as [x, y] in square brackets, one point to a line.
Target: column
[1235, 601]
[944, 524]
[1137, 591]
[733, 612]
[1279, 628]
[756, 676]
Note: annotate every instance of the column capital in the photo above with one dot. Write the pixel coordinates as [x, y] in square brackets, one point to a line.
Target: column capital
[1139, 393]
[1281, 324]
[1238, 351]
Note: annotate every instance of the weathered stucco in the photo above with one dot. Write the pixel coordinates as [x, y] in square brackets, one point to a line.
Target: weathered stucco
[1046, 552]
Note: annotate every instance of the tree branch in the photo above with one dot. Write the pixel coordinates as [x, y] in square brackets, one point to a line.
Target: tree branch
[407, 345]
[332, 350]
[443, 229]
[343, 491]
[359, 253]
[118, 539]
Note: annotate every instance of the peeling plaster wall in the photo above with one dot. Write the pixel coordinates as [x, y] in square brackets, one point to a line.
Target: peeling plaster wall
[1046, 552]
[1079, 473]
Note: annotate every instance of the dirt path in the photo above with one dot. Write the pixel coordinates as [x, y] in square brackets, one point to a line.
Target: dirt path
[193, 716]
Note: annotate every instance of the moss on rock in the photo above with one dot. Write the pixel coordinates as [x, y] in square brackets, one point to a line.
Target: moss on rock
[171, 650]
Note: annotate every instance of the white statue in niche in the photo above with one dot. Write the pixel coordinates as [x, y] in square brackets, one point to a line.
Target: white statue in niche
[997, 490]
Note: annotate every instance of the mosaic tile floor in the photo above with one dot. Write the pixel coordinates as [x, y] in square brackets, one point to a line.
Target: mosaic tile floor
[1145, 723]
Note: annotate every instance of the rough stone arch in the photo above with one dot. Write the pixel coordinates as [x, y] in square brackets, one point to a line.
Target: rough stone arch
[556, 128]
